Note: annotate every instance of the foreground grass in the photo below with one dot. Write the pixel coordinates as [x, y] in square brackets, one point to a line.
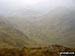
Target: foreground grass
[36, 51]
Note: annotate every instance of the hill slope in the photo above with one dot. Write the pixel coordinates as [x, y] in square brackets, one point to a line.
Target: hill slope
[10, 37]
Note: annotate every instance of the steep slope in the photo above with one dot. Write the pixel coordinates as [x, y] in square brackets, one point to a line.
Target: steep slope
[60, 23]
[10, 37]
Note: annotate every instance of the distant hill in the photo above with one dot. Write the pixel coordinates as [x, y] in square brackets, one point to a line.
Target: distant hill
[25, 12]
[60, 24]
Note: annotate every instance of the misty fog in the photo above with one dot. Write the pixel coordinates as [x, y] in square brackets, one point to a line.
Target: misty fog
[40, 7]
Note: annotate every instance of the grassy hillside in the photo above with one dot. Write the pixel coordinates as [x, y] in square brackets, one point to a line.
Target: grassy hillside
[10, 37]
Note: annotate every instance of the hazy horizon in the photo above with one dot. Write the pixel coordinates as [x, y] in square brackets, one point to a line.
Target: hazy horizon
[41, 7]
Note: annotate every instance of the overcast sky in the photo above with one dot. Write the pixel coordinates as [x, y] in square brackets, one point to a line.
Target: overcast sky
[7, 6]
